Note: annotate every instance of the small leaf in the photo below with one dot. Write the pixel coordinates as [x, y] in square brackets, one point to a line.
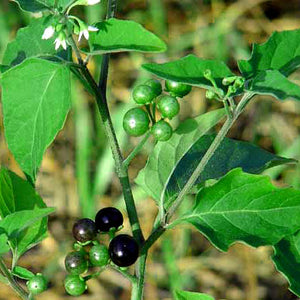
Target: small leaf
[35, 5]
[230, 154]
[247, 208]
[190, 70]
[28, 43]
[121, 35]
[16, 194]
[287, 260]
[272, 82]
[166, 155]
[36, 100]
[280, 52]
[183, 295]
[15, 223]
[22, 273]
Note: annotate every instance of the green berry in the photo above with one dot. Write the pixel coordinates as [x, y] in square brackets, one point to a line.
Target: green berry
[162, 131]
[99, 255]
[155, 86]
[76, 263]
[75, 285]
[168, 106]
[37, 284]
[177, 89]
[143, 94]
[136, 122]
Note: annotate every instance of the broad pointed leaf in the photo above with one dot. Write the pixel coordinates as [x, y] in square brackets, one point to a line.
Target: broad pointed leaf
[184, 295]
[121, 35]
[287, 260]
[29, 43]
[245, 207]
[36, 100]
[230, 154]
[14, 224]
[35, 5]
[272, 82]
[280, 52]
[16, 194]
[166, 155]
[190, 70]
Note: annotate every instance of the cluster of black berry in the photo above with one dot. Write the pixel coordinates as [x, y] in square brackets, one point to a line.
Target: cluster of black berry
[137, 120]
[122, 251]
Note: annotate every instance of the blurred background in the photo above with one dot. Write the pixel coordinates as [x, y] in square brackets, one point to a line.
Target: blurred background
[77, 174]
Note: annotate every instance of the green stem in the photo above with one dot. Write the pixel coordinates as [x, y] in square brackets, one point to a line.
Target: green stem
[208, 155]
[138, 287]
[14, 285]
[121, 170]
[160, 228]
[136, 150]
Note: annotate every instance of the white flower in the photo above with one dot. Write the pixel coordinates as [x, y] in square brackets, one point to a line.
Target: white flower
[60, 41]
[92, 2]
[84, 31]
[86, 2]
[48, 33]
[92, 28]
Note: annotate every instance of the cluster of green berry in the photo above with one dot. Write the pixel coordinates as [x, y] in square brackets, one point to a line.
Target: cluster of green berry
[122, 251]
[136, 121]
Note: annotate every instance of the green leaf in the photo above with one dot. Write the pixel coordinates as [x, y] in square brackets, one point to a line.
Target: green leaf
[287, 260]
[14, 224]
[272, 82]
[229, 155]
[247, 208]
[16, 194]
[280, 52]
[183, 295]
[28, 43]
[22, 273]
[166, 155]
[36, 100]
[4, 245]
[35, 5]
[190, 70]
[116, 35]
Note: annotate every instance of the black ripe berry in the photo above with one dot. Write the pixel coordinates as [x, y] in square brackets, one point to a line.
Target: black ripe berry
[107, 218]
[84, 230]
[123, 250]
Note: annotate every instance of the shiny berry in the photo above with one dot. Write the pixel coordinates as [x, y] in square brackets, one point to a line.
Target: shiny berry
[37, 284]
[155, 86]
[99, 255]
[76, 263]
[123, 250]
[177, 89]
[107, 218]
[162, 131]
[168, 106]
[84, 230]
[143, 94]
[136, 122]
[75, 285]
